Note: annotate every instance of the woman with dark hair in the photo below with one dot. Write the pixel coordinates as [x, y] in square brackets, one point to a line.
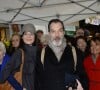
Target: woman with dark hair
[92, 64]
[82, 52]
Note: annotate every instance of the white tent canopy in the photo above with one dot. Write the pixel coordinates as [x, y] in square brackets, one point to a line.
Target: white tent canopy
[39, 12]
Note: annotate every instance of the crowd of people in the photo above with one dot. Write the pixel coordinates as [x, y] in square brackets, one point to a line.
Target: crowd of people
[54, 61]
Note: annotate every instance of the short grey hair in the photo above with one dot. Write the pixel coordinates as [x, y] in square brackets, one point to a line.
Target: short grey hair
[44, 39]
[2, 47]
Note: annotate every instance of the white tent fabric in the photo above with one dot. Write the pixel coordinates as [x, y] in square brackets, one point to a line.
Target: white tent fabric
[41, 11]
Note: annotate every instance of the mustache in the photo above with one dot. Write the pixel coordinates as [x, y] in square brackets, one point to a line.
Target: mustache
[57, 38]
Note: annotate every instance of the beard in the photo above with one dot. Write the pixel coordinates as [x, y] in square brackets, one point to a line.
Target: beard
[57, 41]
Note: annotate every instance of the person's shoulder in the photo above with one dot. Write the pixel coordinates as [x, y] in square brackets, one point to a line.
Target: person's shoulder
[6, 55]
[6, 58]
[87, 59]
[17, 52]
[68, 47]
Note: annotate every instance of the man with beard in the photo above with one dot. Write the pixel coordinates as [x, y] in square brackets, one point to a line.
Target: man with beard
[55, 60]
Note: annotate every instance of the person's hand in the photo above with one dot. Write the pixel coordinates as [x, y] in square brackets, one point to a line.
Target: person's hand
[24, 89]
[70, 88]
[79, 86]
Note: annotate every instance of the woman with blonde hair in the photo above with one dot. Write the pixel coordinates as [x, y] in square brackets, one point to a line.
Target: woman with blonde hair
[10, 83]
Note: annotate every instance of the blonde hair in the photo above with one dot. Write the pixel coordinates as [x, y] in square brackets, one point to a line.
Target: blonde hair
[44, 39]
[2, 47]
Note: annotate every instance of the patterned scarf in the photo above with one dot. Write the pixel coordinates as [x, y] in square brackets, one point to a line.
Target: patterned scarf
[58, 50]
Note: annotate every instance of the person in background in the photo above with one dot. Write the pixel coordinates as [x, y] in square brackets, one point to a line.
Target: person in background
[56, 61]
[3, 60]
[79, 32]
[39, 34]
[15, 44]
[23, 60]
[44, 40]
[81, 43]
[82, 52]
[92, 64]
[10, 83]
[97, 34]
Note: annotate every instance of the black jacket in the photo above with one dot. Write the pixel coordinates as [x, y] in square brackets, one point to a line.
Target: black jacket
[51, 75]
[81, 70]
